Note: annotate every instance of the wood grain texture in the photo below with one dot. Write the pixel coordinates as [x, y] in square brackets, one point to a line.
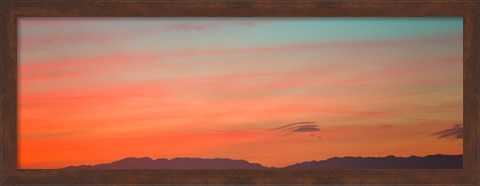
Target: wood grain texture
[471, 92]
[8, 72]
[11, 10]
[238, 9]
[1, 87]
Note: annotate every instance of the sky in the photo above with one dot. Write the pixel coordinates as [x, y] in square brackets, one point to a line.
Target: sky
[265, 90]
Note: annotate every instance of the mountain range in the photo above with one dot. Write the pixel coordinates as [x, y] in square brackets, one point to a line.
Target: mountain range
[176, 163]
[389, 162]
[438, 161]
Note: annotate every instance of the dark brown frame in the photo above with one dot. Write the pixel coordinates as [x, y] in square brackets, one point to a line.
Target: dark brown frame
[11, 10]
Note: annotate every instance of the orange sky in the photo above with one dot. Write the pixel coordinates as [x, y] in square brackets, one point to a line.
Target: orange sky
[97, 90]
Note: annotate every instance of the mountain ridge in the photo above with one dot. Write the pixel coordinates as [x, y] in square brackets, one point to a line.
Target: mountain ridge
[175, 163]
[436, 161]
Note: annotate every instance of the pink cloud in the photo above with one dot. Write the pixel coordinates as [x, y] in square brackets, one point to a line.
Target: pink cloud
[406, 72]
[94, 61]
[59, 39]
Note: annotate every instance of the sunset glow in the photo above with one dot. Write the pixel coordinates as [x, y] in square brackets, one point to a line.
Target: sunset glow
[96, 90]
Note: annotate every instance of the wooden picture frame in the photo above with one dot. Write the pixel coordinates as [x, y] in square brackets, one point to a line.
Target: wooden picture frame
[11, 10]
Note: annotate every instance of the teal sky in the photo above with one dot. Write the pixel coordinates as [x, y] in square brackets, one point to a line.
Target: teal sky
[267, 31]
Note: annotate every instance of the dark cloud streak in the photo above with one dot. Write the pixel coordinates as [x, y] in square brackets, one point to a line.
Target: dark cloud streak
[300, 126]
[306, 129]
[305, 126]
[455, 132]
[294, 124]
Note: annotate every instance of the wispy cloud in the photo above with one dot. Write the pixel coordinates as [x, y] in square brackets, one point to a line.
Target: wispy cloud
[305, 129]
[305, 126]
[455, 132]
[294, 124]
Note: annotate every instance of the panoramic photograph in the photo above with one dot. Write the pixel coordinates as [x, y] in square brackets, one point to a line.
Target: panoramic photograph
[240, 93]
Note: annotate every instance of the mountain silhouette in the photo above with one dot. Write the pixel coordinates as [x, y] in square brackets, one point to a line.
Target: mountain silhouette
[389, 162]
[437, 161]
[176, 163]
